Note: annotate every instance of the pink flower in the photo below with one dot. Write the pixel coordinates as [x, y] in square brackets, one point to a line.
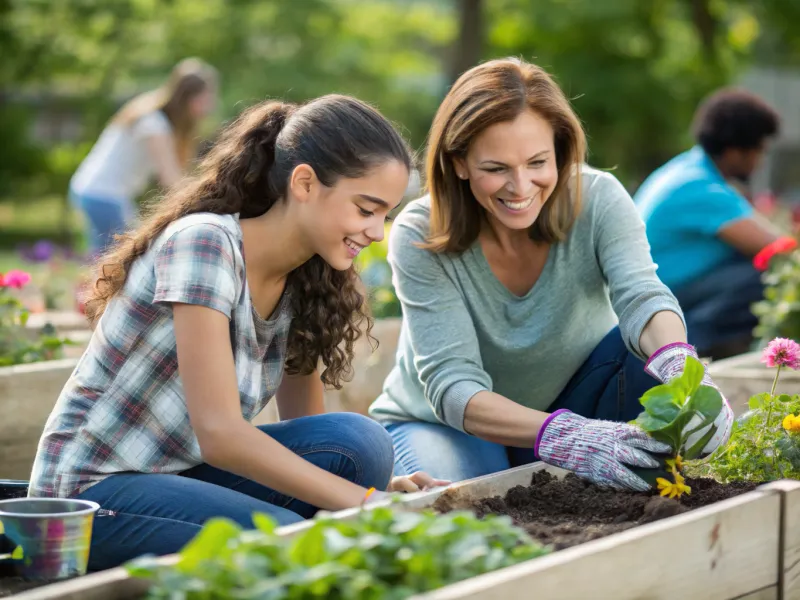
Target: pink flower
[782, 352]
[15, 279]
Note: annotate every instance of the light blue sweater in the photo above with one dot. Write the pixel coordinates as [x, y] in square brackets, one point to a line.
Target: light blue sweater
[464, 332]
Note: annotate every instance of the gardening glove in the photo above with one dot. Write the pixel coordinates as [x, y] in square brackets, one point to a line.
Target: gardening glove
[667, 363]
[598, 450]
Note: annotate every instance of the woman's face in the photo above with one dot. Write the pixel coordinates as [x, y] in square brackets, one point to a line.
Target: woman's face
[512, 171]
[344, 219]
[203, 104]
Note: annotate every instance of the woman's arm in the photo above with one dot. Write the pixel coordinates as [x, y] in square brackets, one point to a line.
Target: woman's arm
[623, 253]
[300, 396]
[664, 328]
[161, 148]
[227, 441]
[497, 419]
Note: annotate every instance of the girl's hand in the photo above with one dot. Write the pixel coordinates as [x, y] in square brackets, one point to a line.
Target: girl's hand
[417, 482]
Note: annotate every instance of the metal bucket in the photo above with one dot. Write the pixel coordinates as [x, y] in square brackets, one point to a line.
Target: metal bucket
[55, 535]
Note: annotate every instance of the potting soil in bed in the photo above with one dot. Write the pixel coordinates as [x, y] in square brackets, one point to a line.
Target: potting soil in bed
[570, 511]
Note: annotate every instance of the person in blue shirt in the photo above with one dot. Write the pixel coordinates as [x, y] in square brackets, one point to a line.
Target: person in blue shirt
[703, 233]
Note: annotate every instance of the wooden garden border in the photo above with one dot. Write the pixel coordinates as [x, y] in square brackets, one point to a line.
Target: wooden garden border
[745, 547]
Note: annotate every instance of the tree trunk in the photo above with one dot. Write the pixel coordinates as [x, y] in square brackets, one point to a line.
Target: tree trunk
[469, 45]
[706, 25]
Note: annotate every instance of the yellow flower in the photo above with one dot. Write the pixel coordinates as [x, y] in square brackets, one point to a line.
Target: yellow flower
[673, 490]
[791, 423]
[675, 464]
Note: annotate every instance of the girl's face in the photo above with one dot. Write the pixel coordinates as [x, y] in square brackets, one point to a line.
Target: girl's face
[344, 219]
[512, 170]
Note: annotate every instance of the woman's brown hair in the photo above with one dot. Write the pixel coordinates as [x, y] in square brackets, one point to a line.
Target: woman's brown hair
[247, 172]
[495, 92]
[188, 79]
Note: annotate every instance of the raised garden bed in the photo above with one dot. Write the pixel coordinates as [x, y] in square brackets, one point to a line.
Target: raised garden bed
[727, 549]
[28, 394]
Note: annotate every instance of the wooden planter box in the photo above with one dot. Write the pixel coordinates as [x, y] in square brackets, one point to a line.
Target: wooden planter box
[741, 377]
[744, 547]
[27, 396]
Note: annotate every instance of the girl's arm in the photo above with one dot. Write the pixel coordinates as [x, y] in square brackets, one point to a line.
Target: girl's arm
[227, 441]
[300, 396]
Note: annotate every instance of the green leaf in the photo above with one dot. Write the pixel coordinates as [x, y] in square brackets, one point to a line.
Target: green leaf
[707, 401]
[789, 450]
[18, 553]
[264, 523]
[693, 372]
[308, 548]
[784, 398]
[206, 545]
[697, 448]
[650, 423]
[660, 402]
[758, 401]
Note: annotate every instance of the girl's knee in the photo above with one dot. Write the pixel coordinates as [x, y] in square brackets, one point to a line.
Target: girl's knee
[371, 444]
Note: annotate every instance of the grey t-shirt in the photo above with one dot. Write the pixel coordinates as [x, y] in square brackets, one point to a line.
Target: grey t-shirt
[464, 332]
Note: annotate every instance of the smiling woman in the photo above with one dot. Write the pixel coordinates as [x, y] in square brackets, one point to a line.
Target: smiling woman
[233, 290]
[529, 297]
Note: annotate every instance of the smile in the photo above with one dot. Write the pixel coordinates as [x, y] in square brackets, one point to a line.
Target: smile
[353, 247]
[517, 205]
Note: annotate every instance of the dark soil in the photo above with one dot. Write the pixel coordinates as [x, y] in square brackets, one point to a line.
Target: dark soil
[570, 511]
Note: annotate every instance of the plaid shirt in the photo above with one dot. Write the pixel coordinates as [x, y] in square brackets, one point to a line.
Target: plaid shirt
[123, 410]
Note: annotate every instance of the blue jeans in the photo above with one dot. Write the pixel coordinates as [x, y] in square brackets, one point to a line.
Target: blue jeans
[159, 513]
[105, 216]
[607, 386]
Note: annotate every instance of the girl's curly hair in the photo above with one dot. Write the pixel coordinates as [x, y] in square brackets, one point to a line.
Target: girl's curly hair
[247, 172]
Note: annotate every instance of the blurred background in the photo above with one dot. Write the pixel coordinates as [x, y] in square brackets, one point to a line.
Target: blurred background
[635, 69]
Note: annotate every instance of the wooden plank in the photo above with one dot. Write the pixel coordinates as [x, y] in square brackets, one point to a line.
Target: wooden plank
[790, 537]
[723, 551]
[770, 593]
[27, 396]
[114, 584]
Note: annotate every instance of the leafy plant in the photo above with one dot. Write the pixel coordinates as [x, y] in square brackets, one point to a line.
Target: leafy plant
[765, 441]
[18, 343]
[779, 312]
[673, 412]
[382, 554]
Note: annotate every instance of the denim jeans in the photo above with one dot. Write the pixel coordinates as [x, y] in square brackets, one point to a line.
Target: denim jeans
[717, 308]
[105, 217]
[607, 386]
[159, 513]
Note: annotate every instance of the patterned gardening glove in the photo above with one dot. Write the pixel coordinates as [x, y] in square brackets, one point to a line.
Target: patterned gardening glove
[597, 450]
[667, 363]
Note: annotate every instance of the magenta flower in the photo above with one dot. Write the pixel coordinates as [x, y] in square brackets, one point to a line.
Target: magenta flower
[782, 352]
[15, 279]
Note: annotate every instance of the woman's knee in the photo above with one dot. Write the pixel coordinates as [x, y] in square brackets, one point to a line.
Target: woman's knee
[371, 447]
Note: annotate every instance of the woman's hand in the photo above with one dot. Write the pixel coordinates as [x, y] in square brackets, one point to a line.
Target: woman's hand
[417, 482]
[666, 364]
[598, 451]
